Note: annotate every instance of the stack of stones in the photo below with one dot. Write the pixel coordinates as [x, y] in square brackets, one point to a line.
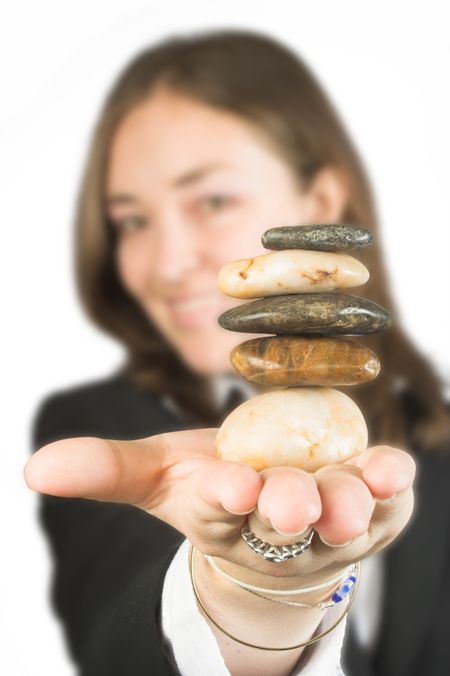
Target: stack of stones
[298, 290]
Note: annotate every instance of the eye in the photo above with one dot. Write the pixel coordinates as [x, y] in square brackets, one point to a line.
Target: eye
[213, 203]
[129, 224]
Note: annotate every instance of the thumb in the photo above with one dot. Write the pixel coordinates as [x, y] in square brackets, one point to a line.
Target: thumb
[109, 470]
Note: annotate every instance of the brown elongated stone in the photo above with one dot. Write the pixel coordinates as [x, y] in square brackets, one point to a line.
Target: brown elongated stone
[293, 361]
[313, 314]
[339, 237]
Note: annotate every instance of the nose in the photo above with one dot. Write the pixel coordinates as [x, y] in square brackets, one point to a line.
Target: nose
[177, 249]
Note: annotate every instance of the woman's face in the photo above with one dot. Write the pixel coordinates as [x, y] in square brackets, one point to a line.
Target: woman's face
[190, 188]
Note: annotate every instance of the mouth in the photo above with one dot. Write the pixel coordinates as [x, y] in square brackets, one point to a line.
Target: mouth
[195, 311]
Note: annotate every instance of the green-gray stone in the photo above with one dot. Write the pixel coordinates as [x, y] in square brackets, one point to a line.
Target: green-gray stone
[317, 237]
[308, 314]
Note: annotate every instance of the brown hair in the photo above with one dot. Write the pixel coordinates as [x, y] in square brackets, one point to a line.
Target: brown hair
[261, 80]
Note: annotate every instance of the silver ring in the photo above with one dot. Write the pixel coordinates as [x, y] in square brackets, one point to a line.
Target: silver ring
[275, 553]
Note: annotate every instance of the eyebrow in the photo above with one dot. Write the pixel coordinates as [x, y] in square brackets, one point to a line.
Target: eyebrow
[189, 177]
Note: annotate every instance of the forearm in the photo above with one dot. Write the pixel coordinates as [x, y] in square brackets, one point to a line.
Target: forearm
[256, 621]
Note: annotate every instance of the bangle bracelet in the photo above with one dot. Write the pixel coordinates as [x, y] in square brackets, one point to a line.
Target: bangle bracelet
[260, 647]
[282, 592]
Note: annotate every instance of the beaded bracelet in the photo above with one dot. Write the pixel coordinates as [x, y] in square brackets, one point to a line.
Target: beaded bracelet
[336, 596]
[282, 592]
[303, 644]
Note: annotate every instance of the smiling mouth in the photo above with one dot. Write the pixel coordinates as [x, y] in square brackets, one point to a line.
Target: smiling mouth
[194, 303]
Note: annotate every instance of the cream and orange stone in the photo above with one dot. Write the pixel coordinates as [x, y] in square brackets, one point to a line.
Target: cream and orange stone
[291, 271]
[300, 427]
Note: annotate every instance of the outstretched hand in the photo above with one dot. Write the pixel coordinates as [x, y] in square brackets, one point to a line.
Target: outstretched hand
[356, 508]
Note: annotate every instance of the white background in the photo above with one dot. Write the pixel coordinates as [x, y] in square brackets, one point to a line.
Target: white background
[386, 67]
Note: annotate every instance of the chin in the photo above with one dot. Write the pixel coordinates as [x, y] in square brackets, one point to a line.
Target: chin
[208, 362]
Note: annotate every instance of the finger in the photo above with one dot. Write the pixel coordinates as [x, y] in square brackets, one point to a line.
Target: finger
[116, 471]
[347, 504]
[388, 520]
[386, 470]
[390, 517]
[289, 501]
[212, 502]
[223, 490]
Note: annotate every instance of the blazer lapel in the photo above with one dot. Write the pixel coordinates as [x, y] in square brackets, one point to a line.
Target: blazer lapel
[414, 569]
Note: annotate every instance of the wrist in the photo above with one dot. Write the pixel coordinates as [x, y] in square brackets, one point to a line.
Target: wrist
[233, 621]
[239, 610]
[313, 587]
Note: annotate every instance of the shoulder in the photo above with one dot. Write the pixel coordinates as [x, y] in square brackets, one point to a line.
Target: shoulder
[112, 407]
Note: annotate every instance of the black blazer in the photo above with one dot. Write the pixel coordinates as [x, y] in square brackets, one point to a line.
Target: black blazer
[110, 559]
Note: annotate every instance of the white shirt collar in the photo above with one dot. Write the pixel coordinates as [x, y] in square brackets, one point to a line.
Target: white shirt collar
[222, 385]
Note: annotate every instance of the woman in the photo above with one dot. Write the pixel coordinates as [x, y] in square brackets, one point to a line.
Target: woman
[203, 144]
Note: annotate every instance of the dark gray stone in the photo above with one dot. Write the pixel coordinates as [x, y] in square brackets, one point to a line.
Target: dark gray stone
[317, 237]
[308, 314]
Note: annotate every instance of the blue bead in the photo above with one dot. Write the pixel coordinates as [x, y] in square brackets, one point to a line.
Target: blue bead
[343, 590]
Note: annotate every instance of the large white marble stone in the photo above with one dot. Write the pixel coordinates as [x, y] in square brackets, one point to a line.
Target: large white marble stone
[305, 427]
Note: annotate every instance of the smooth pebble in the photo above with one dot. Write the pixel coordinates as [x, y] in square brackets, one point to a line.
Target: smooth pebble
[306, 428]
[295, 361]
[320, 314]
[282, 272]
[327, 237]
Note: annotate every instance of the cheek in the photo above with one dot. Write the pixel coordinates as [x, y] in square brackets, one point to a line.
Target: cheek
[134, 267]
[242, 239]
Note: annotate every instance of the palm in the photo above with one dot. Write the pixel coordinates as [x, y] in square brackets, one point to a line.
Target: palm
[184, 454]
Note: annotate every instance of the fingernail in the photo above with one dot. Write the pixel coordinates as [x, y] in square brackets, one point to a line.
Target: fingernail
[240, 513]
[386, 501]
[336, 546]
[292, 534]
